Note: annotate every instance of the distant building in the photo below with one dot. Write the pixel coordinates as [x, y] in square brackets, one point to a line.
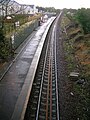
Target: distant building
[34, 9]
[1, 10]
[29, 9]
[14, 7]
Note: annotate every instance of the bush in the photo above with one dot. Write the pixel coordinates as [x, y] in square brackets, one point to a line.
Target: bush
[4, 47]
[83, 17]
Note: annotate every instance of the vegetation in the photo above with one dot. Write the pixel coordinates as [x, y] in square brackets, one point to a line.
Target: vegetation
[77, 47]
[83, 17]
[8, 26]
[48, 9]
[4, 47]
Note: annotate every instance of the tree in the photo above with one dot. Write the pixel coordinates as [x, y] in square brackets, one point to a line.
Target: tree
[4, 44]
[9, 8]
[83, 17]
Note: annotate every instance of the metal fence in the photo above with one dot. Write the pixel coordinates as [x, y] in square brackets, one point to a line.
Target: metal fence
[22, 35]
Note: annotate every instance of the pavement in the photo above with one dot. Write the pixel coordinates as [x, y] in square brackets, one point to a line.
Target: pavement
[13, 79]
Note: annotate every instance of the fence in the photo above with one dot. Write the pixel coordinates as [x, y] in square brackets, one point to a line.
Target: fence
[19, 37]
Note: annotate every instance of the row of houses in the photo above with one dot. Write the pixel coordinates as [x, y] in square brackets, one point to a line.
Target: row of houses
[13, 7]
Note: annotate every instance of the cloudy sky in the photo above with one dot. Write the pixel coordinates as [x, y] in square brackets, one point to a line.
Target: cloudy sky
[58, 3]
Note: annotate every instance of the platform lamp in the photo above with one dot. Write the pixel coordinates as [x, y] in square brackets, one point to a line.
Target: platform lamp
[11, 37]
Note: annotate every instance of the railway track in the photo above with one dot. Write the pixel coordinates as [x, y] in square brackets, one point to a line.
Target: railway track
[43, 102]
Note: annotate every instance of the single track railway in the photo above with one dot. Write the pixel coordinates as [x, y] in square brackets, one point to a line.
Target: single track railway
[43, 102]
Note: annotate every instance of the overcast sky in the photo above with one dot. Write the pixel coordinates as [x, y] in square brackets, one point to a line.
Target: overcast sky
[58, 3]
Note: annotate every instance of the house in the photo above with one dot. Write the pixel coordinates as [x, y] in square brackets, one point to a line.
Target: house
[29, 9]
[35, 10]
[14, 7]
[23, 8]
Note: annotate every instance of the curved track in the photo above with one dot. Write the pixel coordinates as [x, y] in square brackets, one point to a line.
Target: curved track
[43, 103]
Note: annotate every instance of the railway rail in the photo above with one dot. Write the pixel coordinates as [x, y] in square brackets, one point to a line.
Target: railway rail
[30, 82]
[43, 102]
[16, 83]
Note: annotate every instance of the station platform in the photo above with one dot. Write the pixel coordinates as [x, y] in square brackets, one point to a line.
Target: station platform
[16, 84]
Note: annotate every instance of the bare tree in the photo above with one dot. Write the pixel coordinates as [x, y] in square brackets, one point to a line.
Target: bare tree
[9, 7]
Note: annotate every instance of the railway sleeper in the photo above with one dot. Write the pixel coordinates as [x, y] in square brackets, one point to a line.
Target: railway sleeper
[53, 99]
[38, 80]
[44, 92]
[43, 99]
[33, 105]
[54, 118]
[43, 104]
[53, 85]
[53, 69]
[34, 102]
[46, 73]
[53, 111]
[53, 89]
[42, 111]
[44, 88]
[54, 106]
[39, 75]
[53, 81]
[37, 87]
[46, 77]
[53, 75]
[42, 117]
[53, 94]
[45, 84]
[36, 92]
[45, 81]
[32, 117]
[33, 109]
[35, 96]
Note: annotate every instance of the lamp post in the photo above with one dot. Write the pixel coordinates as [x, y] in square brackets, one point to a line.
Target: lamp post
[11, 38]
